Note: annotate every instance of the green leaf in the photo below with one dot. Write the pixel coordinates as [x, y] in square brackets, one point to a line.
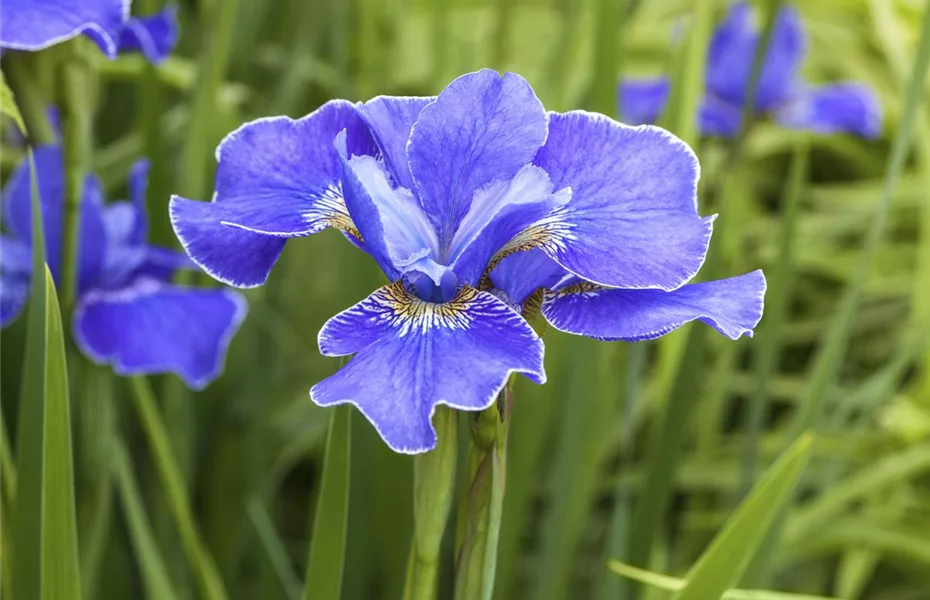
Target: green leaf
[8, 104]
[151, 564]
[725, 561]
[328, 544]
[674, 584]
[44, 526]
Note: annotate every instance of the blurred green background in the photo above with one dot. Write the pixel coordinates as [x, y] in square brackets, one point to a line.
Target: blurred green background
[634, 452]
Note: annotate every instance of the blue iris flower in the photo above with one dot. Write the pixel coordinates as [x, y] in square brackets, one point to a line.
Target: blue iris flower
[781, 93]
[37, 24]
[470, 202]
[128, 313]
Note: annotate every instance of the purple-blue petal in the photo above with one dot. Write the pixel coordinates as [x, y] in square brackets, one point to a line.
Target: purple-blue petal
[391, 118]
[235, 256]
[163, 263]
[641, 101]
[152, 327]
[731, 306]
[276, 178]
[837, 108]
[15, 271]
[522, 273]
[155, 36]
[38, 24]
[413, 356]
[731, 52]
[632, 220]
[396, 231]
[481, 128]
[17, 213]
[498, 213]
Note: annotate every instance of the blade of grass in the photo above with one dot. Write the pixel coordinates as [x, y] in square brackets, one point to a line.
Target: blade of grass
[44, 526]
[155, 579]
[175, 489]
[726, 559]
[327, 546]
[7, 466]
[778, 295]
[674, 584]
[889, 470]
[274, 551]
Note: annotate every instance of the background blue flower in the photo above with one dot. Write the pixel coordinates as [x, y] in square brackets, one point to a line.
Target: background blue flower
[781, 93]
[441, 190]
[38, 24]
[128, 313]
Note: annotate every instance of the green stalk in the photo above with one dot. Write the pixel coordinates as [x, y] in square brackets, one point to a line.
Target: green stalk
[776, 312]
[174, 487]
[477, 561]
[29, 98]
[433, 489]
[76, 117]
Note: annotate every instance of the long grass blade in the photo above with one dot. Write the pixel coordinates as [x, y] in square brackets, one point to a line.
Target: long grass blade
[728, 556]
[174, 488]
[327, 547]
[152, 567]
[45, 565]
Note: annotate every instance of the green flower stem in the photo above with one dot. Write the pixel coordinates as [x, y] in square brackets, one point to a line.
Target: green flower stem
[483, 504]
[433, 488]
[75, 82]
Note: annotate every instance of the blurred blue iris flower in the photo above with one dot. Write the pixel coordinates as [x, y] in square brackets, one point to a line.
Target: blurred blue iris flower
[470, 202]
[128, 313]
[781, 93]
[38, 24]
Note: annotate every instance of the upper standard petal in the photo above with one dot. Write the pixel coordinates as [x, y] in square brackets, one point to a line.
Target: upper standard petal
[481, 128]
[391, 118]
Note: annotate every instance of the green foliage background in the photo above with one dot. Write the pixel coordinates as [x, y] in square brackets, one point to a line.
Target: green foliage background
[637, 453]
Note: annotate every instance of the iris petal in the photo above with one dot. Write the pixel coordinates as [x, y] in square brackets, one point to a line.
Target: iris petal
[15, 271]
[277, 178]
[731, 52]
[838, 108]
[632, 220]
[413, 356]
[155, 36]
[391, 118]
[731, 306]
[395, 230]
[481, 128]
[521, 274]
[17, 213]
[152, 327]
[38, 24]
